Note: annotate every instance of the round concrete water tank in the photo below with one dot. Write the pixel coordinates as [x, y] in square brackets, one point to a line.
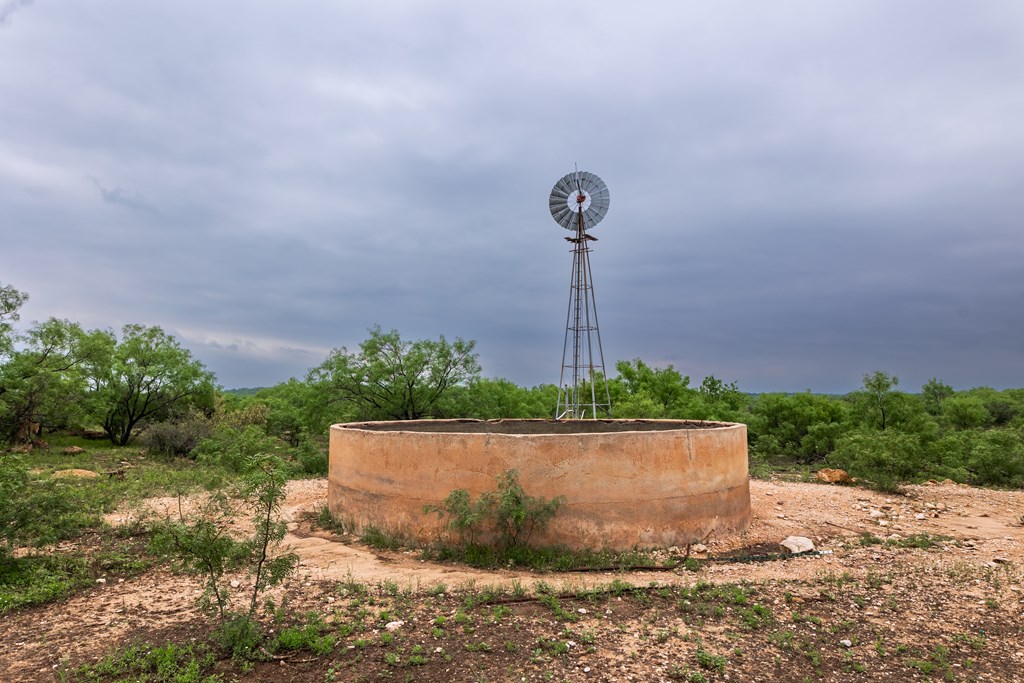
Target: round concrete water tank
[626, 483]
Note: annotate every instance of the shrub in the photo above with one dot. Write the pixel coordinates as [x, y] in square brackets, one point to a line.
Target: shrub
[511, 514]
[178, 438]
[311, 459]
[997, 459]
[231, 448]
[885, 459]
[965, 412]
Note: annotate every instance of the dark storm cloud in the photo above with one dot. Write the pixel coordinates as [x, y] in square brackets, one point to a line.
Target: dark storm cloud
[801, 192]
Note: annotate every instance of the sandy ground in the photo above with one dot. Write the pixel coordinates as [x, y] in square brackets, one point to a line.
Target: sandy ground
[986, 525]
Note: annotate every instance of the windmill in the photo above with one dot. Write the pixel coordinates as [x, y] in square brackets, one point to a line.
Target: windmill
[578, 202]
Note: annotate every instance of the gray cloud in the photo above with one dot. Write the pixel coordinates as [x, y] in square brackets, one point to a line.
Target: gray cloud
[127, 198]
[10, 7]
[801, 192]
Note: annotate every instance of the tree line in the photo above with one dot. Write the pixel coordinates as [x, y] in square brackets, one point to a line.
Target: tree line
[56, 375]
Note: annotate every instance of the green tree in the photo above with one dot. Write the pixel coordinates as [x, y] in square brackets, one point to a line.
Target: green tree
[965, 412]
[641, 391]
[145, 377]
[44, 382]
[803, 426]
[11, 300]
[997, 459]
[392, 379]
[878, 396]
[934, 393]
[488, 399]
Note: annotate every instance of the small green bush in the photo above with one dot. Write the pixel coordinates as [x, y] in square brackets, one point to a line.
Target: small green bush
[509, 512]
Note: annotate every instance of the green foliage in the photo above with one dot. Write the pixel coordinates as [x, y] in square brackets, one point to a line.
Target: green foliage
[178, 437]
[509, 512]
[11, 300]
[462, 514]
[36, 511]
[264, 492]
[803, 426]
[38, 579]
[391, 379]
[487, 399]
[311, 459]
[877, 397]
[934, 393]
[240, 636]
[145, 663]
[710, 662]
[145, 377]
[204, 545]
[43, 383]
[233, 449]
[517, 515]
[641, 391]
[997, 459]
[306, 637]
[885, 458]
[965, 412]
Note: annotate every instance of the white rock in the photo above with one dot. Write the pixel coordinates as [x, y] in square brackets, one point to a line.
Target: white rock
[394, 625]
[235, 583]
[101, 581]
[699, 548]
[797, 544]
[919, 515]
[582, 610]
[876, 513]
[846, 643]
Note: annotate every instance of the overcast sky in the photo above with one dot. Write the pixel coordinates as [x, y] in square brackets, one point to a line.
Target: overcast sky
[801, 191]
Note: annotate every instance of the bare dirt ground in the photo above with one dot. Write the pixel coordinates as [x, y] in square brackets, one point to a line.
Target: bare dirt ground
[864, 611]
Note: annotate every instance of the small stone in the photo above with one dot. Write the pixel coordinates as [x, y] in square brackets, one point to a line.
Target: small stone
[781, 516]
[330, 598]
[833, 476]
[876, 513]
[699, 548]
[394, 625]
[920, 515]
[1001, 560]
[74, 450]
[582, 610]
[882, 522]
[846, 643]
[797, 544]
[586, 669]
[235, 583]
[101, 581]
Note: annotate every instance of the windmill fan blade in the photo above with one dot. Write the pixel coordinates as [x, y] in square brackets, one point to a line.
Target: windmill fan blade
[562, 200]
[564, 218]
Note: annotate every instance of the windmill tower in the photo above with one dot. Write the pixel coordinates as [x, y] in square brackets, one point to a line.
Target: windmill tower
[578, 202]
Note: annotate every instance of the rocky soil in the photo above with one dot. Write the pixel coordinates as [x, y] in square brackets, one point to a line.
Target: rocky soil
[873, 607]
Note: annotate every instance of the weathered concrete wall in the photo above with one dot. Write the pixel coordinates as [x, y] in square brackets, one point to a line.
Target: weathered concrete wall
[627, 483]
